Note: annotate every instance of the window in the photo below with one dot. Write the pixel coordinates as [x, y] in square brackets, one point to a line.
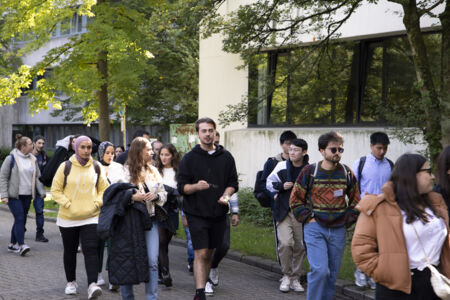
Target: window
[348, 83]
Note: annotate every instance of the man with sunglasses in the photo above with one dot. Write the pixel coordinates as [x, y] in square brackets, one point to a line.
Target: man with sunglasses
[372, 172]
[324, 199]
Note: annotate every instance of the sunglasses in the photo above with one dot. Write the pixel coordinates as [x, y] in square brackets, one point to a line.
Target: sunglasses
[426, 170]
[335, 149]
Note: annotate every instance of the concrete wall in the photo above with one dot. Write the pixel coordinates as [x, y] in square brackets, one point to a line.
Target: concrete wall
[251, 147]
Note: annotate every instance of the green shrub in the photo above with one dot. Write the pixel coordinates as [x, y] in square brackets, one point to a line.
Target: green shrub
[251, 210]
[4, 152]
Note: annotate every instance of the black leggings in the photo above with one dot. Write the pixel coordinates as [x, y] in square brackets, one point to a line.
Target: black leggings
[222, 250]
[164, 239]
[88, 236]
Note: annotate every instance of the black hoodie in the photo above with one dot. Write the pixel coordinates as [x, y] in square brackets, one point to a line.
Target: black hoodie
[218, 169]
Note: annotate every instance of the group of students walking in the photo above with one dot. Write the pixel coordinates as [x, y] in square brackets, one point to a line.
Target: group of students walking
[132, 205]
[401, 223]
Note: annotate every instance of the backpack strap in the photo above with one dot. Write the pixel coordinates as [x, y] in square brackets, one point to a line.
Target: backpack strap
[11, 165]
[390, 163]
[67, 168]
[362, 161]
[311, 175]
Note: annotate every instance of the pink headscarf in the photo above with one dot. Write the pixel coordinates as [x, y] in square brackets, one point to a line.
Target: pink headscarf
[78, 141]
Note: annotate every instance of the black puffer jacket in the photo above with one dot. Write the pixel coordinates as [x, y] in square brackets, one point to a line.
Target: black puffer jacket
[125, 223]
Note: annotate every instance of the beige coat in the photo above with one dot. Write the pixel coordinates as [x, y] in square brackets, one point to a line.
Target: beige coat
[379, 246]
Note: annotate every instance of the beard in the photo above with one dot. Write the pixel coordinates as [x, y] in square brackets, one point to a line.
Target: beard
[333, 158]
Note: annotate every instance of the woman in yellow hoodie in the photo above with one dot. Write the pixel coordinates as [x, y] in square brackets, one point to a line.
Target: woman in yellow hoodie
[79, 195]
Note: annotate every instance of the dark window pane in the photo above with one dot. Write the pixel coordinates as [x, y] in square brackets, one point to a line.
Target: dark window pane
[372, 94]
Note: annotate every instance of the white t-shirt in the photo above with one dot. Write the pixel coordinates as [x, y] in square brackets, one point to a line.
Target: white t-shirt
[169, 177]
[432, 236]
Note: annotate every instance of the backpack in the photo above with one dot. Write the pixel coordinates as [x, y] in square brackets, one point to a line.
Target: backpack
[259, 194]
[68, 167]
[362, 161]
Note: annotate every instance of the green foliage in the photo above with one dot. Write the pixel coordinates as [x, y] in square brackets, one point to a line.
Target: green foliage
[251, 211]
[151, 52]
[4, 152]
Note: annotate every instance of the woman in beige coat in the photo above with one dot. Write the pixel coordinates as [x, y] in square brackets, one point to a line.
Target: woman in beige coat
[397, 227]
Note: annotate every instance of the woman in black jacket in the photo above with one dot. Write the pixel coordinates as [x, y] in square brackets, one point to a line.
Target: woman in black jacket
[167, 163]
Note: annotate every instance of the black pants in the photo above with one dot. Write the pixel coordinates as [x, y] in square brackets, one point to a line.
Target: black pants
[88, 236]
[165, 236]
[222, 250]
[421, 289]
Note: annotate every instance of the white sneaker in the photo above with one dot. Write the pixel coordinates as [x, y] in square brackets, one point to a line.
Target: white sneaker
[24, 249]
[360, 278]
[284, 285]
[209, 291]
[100, 280]
[296, 286]
[71, 288]
[214, 276]
[94, 291]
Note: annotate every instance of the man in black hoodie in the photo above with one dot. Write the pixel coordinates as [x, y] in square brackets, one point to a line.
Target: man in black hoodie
[207, 178]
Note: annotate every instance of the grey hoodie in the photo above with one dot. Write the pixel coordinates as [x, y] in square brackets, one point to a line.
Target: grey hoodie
[9, 185]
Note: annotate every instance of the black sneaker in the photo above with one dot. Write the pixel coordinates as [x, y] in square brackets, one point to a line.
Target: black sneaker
[13, 248]
[41, 238]
[191, 267]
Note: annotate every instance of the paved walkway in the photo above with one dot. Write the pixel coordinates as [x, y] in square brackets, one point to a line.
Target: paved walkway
[40, 274]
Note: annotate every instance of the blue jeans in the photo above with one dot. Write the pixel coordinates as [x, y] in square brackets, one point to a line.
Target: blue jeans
[151, 288]
[38, 204]
[324, 249]
[189, 247]
[19, 208]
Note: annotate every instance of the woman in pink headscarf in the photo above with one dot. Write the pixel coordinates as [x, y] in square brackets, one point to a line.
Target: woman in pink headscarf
[78, 188]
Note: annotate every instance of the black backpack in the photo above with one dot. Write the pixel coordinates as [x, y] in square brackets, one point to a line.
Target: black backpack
[259, 194]
[68, 167]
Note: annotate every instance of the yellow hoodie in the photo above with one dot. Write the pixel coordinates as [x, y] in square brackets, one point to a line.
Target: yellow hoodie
[80, 199]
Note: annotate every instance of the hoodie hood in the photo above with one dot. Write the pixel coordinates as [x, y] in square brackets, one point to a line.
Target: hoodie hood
[199, 150]
[75, 161]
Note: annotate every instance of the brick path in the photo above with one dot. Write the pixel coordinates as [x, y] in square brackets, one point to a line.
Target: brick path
[40, 275]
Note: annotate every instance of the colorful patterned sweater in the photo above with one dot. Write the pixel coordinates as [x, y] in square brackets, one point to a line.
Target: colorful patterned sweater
[328, 194]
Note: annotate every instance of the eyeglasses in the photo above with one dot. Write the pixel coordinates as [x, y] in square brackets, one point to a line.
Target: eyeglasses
[425, 170]
[335, 149]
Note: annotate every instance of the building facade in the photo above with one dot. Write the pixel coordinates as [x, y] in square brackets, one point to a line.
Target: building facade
[366, 75]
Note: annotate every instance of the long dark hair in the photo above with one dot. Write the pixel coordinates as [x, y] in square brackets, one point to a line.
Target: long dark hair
[175, 158]
[135, 162]
[405, 187]
[443, 165]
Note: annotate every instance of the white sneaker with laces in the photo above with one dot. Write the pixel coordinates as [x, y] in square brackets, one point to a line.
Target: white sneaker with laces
[296, 286]
[284, 285]
[94, 291]
[214, 276]
[100, 280]
[209, 291]
[360, 278]
[71, 288]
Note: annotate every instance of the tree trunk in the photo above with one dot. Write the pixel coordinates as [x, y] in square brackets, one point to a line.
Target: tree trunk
[429, 97]
[102, 95]
[445, 69]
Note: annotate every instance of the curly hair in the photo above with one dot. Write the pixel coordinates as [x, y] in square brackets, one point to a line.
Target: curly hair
[135, 162]
[175, 158]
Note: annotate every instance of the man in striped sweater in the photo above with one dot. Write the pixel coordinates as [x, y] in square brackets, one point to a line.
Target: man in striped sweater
[324, 199]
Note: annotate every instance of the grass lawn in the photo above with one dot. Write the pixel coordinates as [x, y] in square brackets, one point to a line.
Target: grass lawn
[250, 239]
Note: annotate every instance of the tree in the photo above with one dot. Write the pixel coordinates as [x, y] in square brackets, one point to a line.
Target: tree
[104, 68]
[280, 24]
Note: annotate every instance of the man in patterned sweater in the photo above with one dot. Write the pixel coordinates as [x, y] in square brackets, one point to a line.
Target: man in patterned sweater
[324, 199]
